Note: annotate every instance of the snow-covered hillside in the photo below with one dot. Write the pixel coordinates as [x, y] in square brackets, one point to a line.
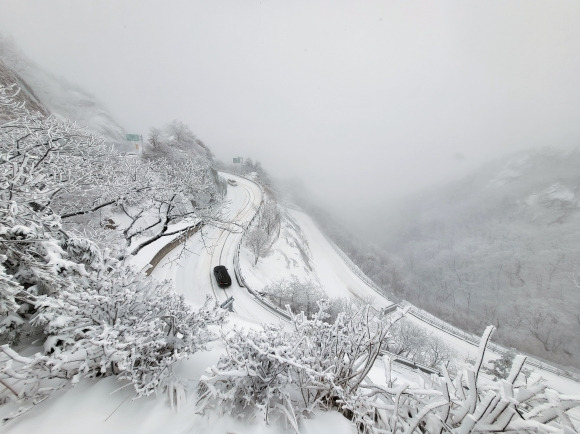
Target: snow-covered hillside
[58, 96]
[106, 406]
[501, 247]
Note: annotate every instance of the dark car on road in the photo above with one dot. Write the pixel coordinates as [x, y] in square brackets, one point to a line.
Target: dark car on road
[222, 276]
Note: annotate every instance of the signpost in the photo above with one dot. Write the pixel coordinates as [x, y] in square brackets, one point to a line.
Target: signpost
[238, 160]
[135, 138]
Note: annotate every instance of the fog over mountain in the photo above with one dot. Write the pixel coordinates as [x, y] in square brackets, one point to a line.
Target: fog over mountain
[366, 101]
[408, 208]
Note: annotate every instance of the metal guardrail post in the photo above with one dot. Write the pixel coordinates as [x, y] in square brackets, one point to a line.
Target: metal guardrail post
[228, 304]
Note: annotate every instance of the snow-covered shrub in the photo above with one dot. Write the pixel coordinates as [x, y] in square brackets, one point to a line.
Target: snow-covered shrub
[463, 405]
[413, 343]
[288, 374]
[11, 322]
[500, 368]
[103, 318]
[283, 375]
[97, 315]
[118, 322]
[299, 296]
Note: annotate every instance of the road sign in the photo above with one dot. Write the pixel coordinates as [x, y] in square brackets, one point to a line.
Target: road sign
[133, 137]
[238, 160]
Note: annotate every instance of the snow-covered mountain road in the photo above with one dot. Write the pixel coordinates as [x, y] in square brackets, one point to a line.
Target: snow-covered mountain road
[191, 266]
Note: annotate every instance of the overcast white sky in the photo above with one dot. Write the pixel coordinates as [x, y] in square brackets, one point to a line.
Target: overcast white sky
[364, 100]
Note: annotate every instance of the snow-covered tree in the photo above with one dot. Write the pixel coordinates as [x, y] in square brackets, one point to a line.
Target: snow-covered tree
[181, 190]
[98, 316]
[38, 160]
[257, 241]
[413, 343]
[269, 216]
[264, 228]
[299, 296]
[180, 142]
[155, 138]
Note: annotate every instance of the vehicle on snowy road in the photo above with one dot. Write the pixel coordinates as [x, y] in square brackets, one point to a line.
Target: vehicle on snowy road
[222, 276]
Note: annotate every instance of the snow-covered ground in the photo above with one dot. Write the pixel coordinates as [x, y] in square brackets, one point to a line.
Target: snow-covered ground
[336, 278]
[99, 406]
[289, 256]
[104, 406]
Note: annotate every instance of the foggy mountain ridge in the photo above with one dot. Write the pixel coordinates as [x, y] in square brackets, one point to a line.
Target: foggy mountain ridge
[46, 93]
[501, 247]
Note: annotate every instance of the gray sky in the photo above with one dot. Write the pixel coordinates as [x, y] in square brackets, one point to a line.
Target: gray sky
[364, 100]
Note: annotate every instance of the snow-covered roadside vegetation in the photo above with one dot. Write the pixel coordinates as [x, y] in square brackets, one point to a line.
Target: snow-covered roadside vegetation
[277, 263]
[70, 307]
[285, 375]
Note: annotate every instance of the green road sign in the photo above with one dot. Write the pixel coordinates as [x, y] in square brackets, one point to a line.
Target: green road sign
[133, 137]
[238, 160]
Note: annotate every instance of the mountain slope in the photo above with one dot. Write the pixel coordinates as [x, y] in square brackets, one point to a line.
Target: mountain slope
[44, 92]
[502, 247]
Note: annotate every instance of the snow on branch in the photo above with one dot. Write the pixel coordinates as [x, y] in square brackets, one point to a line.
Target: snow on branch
[97, 315]
[285, 376]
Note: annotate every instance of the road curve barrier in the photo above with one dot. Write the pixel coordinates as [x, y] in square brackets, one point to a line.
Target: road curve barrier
[474, 340]
[180, 239]
[238, 271]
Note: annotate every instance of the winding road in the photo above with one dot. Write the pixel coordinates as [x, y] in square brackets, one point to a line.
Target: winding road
[191, 266]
